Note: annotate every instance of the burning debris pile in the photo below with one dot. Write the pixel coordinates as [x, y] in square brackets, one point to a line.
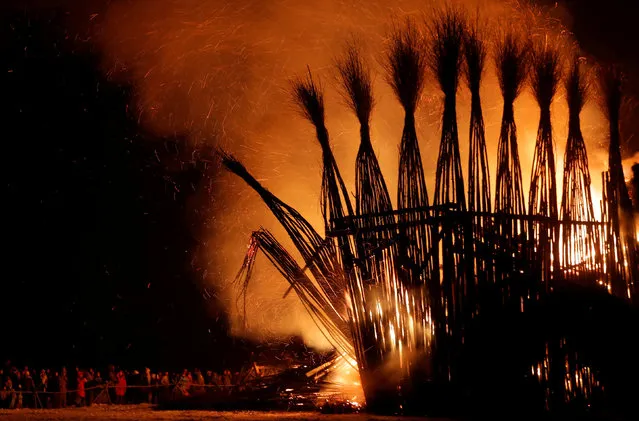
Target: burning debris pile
[402, 293]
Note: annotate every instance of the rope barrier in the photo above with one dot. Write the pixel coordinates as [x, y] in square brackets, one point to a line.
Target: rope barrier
[16, 396]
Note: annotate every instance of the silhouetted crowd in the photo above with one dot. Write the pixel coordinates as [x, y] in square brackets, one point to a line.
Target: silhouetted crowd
[46, 388]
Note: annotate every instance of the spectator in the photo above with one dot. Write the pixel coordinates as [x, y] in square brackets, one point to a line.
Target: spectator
[81, 393]
[216, 379]
[184, 384]
[120, 388]
[112, 376]
[112, 380]
[17, 377]
[63, 382]
[28, 389]
[4, 396]
[9, 394]
[155, 388]
[44, 380]
[43, 387]
[227, 381]
[165, 384]
[146, 382]
[54, 387]
[72, 383]
[134, 379]
[199, 381]
[90, 385]
[18, 402]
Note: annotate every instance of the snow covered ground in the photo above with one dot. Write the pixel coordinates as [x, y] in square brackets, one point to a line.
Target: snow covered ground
[144, 412]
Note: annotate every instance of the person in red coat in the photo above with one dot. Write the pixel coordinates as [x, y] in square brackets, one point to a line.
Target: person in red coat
[82, 394]
[120, 388]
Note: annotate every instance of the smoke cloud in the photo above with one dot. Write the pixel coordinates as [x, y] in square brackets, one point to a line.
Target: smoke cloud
[218, 71]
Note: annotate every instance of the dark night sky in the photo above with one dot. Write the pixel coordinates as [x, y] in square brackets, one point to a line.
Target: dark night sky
[98, 261]
[99, 253]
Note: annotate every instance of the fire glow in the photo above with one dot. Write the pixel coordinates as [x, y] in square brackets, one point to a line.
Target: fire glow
[214, 69]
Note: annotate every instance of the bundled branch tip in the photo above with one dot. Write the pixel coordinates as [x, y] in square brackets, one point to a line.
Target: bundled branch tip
[445, 59]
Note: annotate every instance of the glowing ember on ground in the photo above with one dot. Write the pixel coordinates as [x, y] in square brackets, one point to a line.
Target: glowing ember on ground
[143, 412]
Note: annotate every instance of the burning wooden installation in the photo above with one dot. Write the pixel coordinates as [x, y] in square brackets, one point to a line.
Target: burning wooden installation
[399, 292]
